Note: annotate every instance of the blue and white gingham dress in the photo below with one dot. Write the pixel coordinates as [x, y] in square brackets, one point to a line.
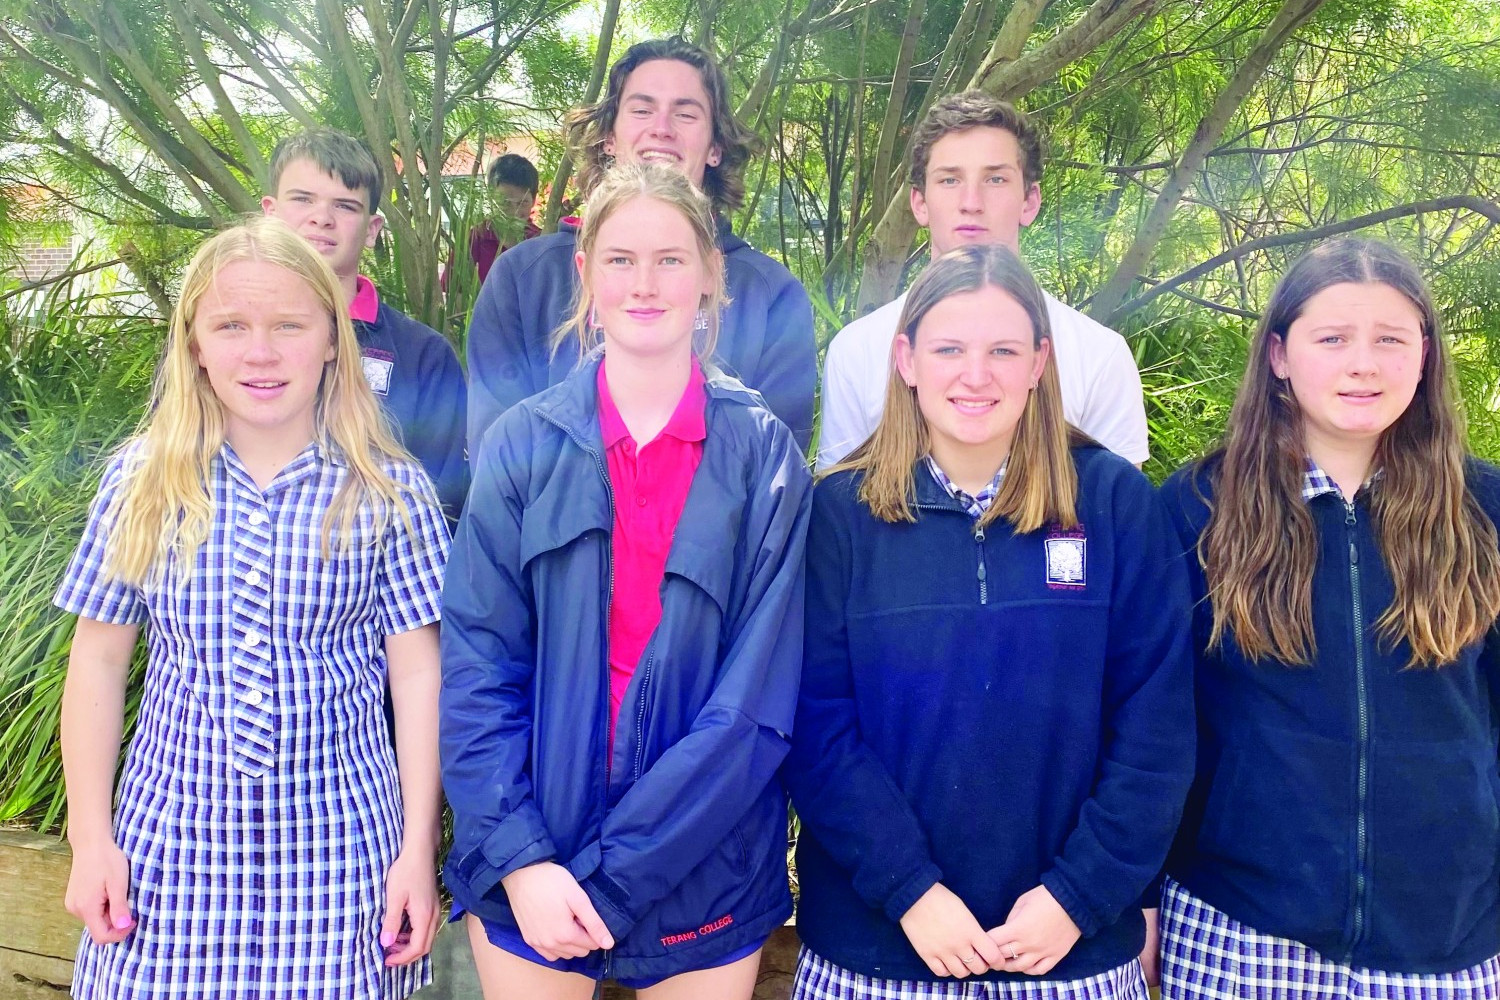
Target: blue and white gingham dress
[259, 805]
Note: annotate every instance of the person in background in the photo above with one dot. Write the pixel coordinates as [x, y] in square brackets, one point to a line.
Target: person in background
[1342, 833]
[666, 102]
[515, 182]
[327, 186]
[976, 171]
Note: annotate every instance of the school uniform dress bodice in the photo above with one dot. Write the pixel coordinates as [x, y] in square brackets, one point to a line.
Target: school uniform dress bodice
[259, 805]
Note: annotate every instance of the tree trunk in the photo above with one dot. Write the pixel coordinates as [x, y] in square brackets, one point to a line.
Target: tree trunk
[1106, 303]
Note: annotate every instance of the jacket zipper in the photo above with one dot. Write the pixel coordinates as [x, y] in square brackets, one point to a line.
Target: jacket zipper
[640, 717]
[984, 586]
[1361, 690]
[981, 575]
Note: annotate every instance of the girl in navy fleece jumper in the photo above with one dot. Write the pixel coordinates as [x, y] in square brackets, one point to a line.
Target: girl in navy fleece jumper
[1342, 836]
[994, 735]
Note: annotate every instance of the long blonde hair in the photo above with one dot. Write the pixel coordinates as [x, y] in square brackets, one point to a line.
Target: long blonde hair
[1260, 546]
[164, 507]
[619, 187]
[1041, 483]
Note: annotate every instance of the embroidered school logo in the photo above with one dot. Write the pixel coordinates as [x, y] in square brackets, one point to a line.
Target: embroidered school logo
[712, 927]
[378, 366]
[1067, 559]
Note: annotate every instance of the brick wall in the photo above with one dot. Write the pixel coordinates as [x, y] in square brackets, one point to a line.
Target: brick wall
[42, 259]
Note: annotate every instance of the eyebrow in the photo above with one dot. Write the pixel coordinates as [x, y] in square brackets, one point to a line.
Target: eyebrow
[988, 166]
[632, 250]
[678, 102]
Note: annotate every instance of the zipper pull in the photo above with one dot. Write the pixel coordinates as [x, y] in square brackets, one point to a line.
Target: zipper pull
[979, 533]
[1349, 523]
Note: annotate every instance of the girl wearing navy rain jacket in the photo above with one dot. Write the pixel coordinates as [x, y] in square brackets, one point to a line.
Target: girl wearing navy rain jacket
[623, 640]
[1342, 835]
[994, 735]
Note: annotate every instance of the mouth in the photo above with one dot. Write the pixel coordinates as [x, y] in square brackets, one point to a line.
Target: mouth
[1360, 396]
[970, 232]
[660, 156]
[323, 244]
[644, 315]
[264, 388]
[972, 407]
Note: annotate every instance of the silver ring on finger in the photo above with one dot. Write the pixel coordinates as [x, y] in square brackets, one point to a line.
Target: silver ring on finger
[972, 958]
[1014, 955]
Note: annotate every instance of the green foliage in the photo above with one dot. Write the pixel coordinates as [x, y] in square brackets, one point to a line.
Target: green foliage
[73, 384]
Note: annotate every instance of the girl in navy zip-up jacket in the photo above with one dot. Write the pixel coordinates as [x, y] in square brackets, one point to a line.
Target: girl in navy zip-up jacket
[622, 641]
[994, 735]
[1342, 836]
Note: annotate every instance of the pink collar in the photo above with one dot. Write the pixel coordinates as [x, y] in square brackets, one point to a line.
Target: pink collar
[366, 303]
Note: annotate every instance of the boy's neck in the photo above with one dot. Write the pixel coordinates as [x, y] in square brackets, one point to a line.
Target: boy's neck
[646, 390]
[350, 285]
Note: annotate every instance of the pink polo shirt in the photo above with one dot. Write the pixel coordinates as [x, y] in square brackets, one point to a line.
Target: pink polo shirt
[365, 305]
[650, 484]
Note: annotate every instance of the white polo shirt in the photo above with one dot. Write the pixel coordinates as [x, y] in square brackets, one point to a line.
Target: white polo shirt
[1101, 387]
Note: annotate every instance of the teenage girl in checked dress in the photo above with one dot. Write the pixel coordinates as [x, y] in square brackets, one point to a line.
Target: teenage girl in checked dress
[285, 556]
[1342, 836]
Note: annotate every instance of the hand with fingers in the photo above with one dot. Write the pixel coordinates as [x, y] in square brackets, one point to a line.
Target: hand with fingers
[1036, 935]
[946, 935]
[555, 915]
[411, 908]
[98, 887]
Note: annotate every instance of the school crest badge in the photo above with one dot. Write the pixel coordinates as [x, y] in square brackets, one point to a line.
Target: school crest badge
[378, 367]
[1067, 559]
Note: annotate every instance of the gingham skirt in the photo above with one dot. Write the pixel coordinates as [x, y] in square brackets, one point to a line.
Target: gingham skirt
[820, 979]
[1208, 955]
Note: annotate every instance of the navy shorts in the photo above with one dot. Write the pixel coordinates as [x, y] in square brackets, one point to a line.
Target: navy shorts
[511, 942]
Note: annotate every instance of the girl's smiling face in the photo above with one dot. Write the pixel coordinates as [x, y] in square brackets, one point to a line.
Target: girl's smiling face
[647, 277]
[973, 365]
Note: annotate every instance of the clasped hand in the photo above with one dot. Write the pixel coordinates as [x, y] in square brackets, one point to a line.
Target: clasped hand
[1036, 935]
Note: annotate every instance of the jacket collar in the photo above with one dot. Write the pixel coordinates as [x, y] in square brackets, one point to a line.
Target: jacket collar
[929, 492]
[573, 404]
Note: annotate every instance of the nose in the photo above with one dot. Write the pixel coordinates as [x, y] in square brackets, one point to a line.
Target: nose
[976, 370]
[645, 282]
[1361, 357]
[969, 200]
[261, 348]
[320, 214]
[661, 122]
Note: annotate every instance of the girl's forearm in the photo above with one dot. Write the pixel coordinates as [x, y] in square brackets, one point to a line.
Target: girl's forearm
[93, 710]
[415, 678]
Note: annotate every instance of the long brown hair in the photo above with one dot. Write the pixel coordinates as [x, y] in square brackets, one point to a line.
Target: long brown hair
[1260, 546]
[1041, 484]
[587, 129]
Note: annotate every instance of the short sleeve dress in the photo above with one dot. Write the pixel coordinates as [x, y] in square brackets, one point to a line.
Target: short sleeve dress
[259, 804]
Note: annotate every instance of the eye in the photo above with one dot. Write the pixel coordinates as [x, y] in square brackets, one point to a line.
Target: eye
[947, 181]
[1005, 352]
[672, 261]
[1331, 338]
[947, 350]
[617, 261]
[995, 179]
[688, 116]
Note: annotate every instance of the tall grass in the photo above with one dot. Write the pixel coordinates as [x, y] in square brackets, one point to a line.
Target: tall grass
[74, 375]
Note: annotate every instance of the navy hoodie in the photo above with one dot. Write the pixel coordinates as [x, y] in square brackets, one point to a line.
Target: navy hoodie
[1350, 805]
[765, 339]
[991, 711]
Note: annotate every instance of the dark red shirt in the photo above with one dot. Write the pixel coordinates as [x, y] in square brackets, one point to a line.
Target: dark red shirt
[650, 484]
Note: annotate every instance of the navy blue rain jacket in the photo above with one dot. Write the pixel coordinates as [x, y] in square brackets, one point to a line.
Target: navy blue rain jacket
[678, 834]
[992, 711]
[1353, 805]
[765, 338]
